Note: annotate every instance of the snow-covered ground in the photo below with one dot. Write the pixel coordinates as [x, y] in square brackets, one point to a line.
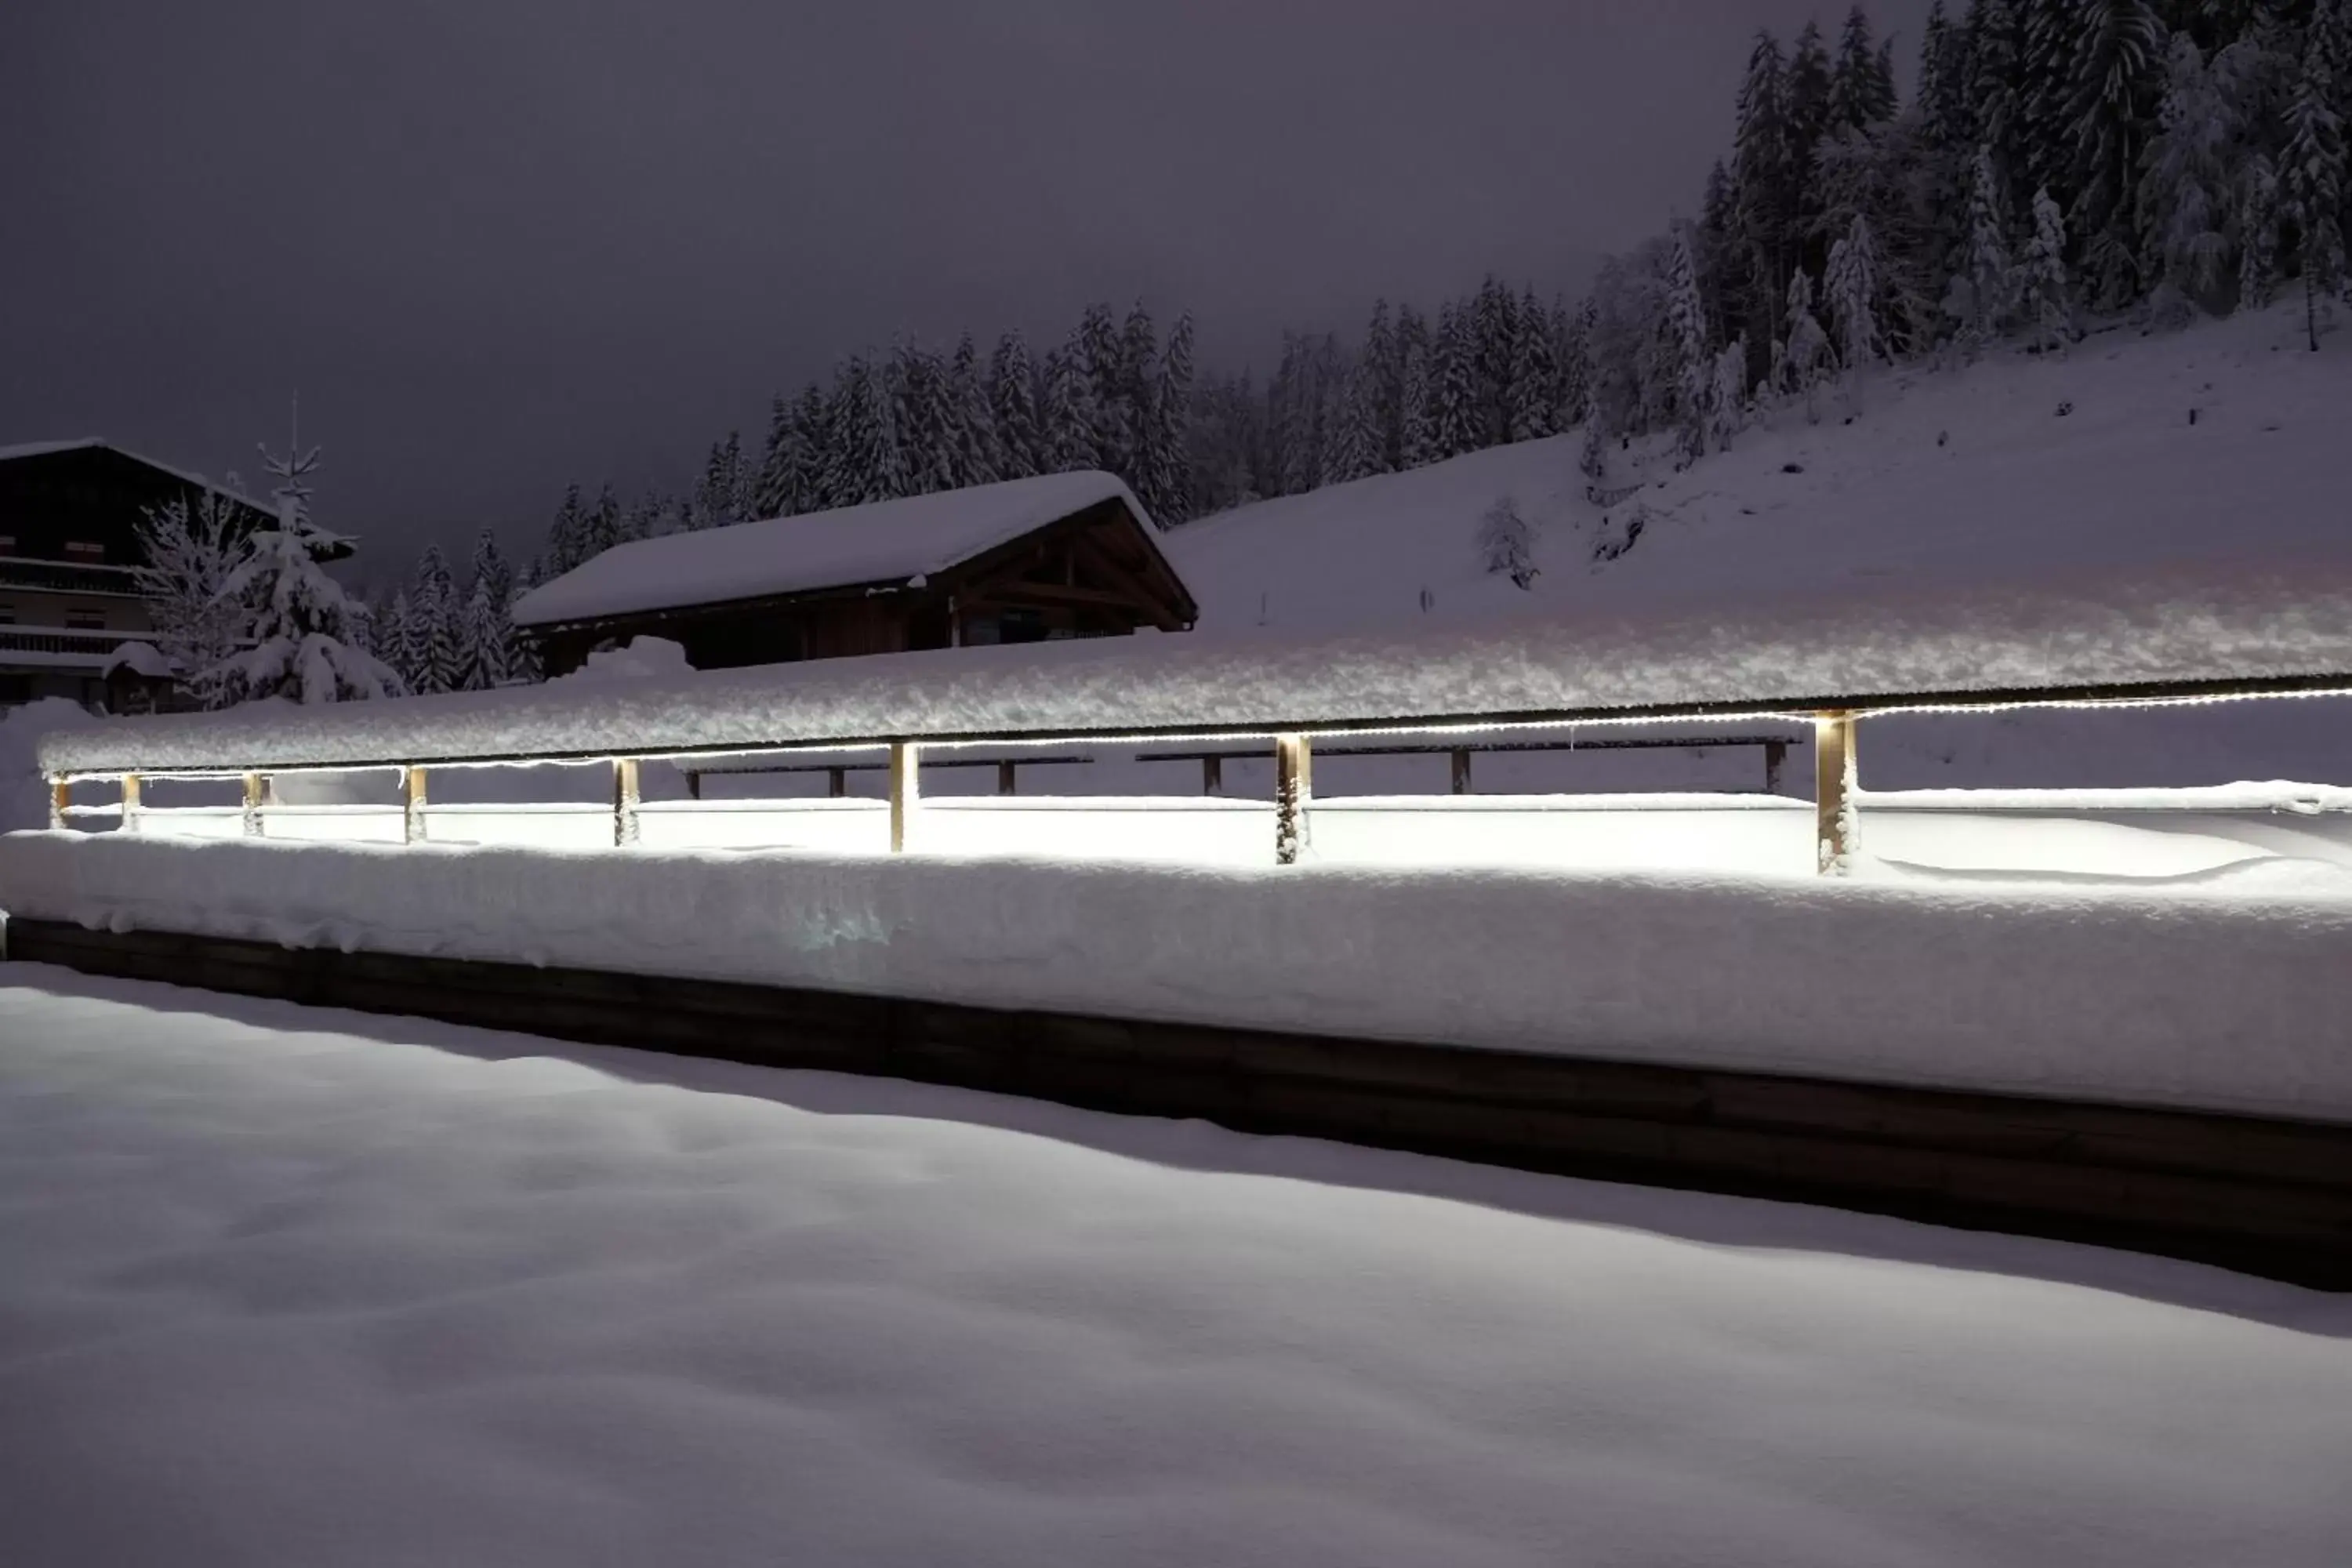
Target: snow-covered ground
[300, 1288]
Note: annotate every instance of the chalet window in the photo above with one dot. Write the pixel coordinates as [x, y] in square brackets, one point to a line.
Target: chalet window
[84, 548]
[84, 620]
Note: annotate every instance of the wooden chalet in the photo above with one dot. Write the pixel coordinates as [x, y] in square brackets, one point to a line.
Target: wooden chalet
[69, 553]
[1061, 555]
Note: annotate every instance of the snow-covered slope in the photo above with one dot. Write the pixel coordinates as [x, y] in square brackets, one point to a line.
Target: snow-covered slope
[2228, 441]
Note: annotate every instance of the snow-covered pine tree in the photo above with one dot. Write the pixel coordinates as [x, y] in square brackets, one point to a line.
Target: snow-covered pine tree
[566, 542]
[2041, 275]
[1860, 95]
[2046, 42]
[491, 569]
[1982, 295]
[1808, 86]
[1686, 331]
[1355, 452]
[1722, 265]
[807, 476]
[1806, 355]
[1727, 398]
[1535, 374]
[602, 532]
[1166, 471]
[300, 620]
[1507, 544]
[1995, 84]
[865, 464]
[1071, 423]
[2118, 72]
[388, 639]
[2258, 235]
[777, 493]
[483, 638]
[2184, 199]
[1575, 364]
[188, 555]
[1416, 421]
[1098, 354]
[1494, 321]
[1455, 425]
[1013, 402]
[1138, 372]
[1764, 196]
[430, 637]
[1387, 375]
[2313, 186]
[978, 459]
[1853, 289]
[927, 437]
[1592, 457]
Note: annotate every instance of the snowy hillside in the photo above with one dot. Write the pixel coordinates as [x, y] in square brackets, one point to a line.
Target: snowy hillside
[2228, 440]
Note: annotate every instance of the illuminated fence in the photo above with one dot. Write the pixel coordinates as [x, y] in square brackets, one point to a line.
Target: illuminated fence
[1713, 682]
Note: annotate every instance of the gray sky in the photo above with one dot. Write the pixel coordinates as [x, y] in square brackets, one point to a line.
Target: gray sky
[501, 246]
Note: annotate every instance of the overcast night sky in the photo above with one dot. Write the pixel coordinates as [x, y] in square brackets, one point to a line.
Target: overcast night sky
[502, 245]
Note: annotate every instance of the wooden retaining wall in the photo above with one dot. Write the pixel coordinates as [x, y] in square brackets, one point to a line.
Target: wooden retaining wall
[2267, 1196]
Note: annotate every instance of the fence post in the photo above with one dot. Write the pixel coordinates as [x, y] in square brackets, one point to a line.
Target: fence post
[130, 803]
[1005, 778]
[253, 806]
[1776, 758]
[1293, 792]
[624, 802]
[693, 784]
[1461, 758]
[836, 782]
[905, 791]
[1835, 828]
[1212, 775]
[60, 797]
[412, 805]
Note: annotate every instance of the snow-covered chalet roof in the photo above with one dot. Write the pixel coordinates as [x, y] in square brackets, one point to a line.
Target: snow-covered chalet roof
[888, 542]
[2179, 630]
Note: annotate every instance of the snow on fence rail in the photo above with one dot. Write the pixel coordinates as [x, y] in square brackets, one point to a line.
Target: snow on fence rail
[2163, 637]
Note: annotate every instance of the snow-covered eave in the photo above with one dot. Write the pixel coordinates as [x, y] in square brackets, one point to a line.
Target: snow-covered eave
[2278, 632]
[898, 583]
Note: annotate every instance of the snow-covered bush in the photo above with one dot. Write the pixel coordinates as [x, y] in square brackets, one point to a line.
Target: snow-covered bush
[23, 793]
[1507, 544]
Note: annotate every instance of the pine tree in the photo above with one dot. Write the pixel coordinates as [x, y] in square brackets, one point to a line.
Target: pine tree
[1860, 97]
[430, 637]
[301, 623]
[1386, 370]
[2258, 203]
[1166, 472]
[1765, 205]
[1806, 355]
[1013, 402]
[2313, 186]
[809, 452]
[1592, 457]
[2184, 201]
[1981, 298]
[1097, 352]
[388, 639]
[979, 456]
[1507, 544]
[865, 464]
[1453, 384]
[1686, 331]
[602, 528]
[1071, 423]
[1355, 454]
[1493, 322]
[1808, 92]
[1996, 86]
[2046, 35]
[1727, 397]
[1853, 286]
[2041, 276]
[1138, 374]
[491, 569]
[1535, 374]
[566, 541]
[1416, 421]
[1575, 366]
[924, 419]
[2118, 69]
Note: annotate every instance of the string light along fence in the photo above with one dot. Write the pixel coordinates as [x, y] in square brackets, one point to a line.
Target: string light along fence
[1544, 685]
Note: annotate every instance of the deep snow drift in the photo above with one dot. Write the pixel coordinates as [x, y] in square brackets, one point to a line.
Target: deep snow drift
[2216, 990]
[281, 1286]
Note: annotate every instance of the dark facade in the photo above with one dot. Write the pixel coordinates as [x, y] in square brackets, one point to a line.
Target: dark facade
[1096, 572]
[69, 514]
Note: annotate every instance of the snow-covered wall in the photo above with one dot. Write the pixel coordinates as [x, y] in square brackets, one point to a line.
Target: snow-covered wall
[2191, 997]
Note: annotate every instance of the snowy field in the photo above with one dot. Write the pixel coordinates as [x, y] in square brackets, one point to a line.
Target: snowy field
[288, 1287]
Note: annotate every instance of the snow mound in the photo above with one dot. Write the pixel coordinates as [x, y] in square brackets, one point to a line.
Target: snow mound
[24, 791]
[640, 658]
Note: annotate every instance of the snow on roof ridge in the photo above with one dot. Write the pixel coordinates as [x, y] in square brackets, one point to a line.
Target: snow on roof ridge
[893, 540]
